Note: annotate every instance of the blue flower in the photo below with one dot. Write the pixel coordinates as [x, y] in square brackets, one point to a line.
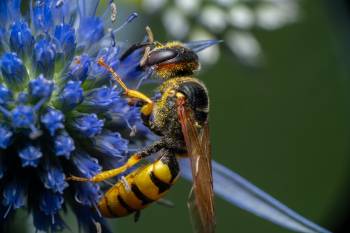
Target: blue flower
[40, 87]
[30, 156]
[53, 105]
[21, 38]
[13, 71]
[88, 125]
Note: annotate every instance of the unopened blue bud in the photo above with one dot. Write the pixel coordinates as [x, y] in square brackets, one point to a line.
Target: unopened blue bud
[23, 116]
[64, 145]
[5, 136]
[42, 16]
[13, 71]
[5, 95]
[14, 195]
[21, 38]
[65, 34]
[30, 156]
[88, 125]
[50, 203]
[79, 68]
[41, 87]
[53, 120]
[44, 57]
[72, 95]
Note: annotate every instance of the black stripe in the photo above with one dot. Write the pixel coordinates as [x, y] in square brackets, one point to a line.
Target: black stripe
[110, 211]
[140, 195]
[159, 183]
[125, 205]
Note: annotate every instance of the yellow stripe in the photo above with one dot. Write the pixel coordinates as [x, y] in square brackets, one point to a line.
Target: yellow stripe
[146, 185]
[128, 196]
[162, 171]
[112, 197]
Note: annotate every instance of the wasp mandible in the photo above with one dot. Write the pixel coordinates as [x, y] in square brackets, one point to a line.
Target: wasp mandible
[180, 118]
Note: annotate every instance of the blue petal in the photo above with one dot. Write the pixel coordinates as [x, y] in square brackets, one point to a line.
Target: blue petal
[72, 95]
[65, 34]
[200, 45]
[53, 178]
[42, 16]
[99, 99]
[41, 87]
[79, 68]
[87, 193]
[240, 192]
[9, 11]
[5, 95]
[110, 144]
[46, 223]
[23, 116]
[86, 165]
[14, 195]
[64, 145]
[91, 30]
[88, 125]
[5, 136]
[44, 57]
[50, 203]
[14, 72]
[53, 120]
[21, 38]
[30, 156]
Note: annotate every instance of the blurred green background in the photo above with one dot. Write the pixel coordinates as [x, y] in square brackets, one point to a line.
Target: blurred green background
[283, 125]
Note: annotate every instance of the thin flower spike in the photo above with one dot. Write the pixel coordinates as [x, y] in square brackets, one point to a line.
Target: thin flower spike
[238, 191]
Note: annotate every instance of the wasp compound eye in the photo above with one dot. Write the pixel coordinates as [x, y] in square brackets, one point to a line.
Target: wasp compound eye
[160, 56]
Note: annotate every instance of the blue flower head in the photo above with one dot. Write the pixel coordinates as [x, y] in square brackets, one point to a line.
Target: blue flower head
[53, 109]
[60, 114]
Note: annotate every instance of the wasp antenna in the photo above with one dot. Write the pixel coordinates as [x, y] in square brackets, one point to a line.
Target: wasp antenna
[116, 77]
[149, 34]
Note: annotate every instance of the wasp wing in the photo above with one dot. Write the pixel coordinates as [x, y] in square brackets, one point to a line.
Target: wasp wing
[201, 200]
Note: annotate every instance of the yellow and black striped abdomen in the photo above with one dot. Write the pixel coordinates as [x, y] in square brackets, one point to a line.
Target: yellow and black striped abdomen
[140, 188]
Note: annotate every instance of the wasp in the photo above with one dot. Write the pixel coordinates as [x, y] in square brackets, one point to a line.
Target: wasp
[180, 118]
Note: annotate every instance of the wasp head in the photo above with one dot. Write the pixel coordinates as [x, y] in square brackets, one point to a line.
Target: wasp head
[172, 59]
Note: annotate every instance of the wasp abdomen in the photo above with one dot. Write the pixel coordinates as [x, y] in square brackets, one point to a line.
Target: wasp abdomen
[140, 188]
